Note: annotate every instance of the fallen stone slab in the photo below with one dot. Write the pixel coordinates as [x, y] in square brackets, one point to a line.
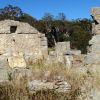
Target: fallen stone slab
[37, 85]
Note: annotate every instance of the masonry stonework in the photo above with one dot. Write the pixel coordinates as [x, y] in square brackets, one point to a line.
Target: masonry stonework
[17, 37]
[93, 56]
[20, 43]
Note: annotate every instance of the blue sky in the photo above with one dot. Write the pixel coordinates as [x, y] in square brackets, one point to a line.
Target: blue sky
[73, 9]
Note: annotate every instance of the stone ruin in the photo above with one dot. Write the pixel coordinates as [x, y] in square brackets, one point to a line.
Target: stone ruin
[93, 56]
[64, 54]
[90, 90]
[20, 42]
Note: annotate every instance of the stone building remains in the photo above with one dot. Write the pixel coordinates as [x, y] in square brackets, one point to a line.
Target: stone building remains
[19, 42]
[93, 56]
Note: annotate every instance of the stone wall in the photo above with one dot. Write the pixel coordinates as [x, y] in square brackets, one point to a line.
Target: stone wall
[24, 28]
[20, 43]
[92, 61]
[63, 54]
[17, 37]
[95, 13]
[93, 56]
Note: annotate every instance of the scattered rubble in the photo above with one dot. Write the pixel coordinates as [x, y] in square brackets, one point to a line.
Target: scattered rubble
[58, 86]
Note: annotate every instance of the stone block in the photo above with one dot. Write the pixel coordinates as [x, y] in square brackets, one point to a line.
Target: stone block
[17, 60]
[95, 12]
[61, 87]
[95, 40]
[62, 48]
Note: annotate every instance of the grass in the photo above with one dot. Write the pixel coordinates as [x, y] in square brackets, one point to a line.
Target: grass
[56, 71]
[51, 49]
[17, 89]
[9, 91]
[51, 95]
[13, 90]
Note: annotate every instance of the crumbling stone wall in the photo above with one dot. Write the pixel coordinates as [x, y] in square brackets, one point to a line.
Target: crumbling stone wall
[20, 38]
[93, 56]
[63, 54]
[16, 37]
[92, 61]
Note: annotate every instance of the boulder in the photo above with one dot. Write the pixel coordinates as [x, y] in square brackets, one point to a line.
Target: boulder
[95, 12]
[17, 60]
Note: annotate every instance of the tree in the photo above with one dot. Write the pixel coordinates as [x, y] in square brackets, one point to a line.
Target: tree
[28, 19]
[48, 17]
[80, 33]
[61, 16]
[57, 30]
[10, 12]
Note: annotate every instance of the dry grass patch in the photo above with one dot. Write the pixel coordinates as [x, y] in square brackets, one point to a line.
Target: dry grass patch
[58, 71]
[13, 90]
[17, 89]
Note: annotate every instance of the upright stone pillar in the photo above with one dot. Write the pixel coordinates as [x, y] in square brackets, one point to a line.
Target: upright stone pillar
[93, 56]
[90, 90]
[44, 46]
[62, 50]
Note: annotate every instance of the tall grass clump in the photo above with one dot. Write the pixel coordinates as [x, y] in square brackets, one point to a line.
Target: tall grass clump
[18, 89]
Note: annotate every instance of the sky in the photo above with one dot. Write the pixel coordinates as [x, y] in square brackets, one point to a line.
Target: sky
[73, 9]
